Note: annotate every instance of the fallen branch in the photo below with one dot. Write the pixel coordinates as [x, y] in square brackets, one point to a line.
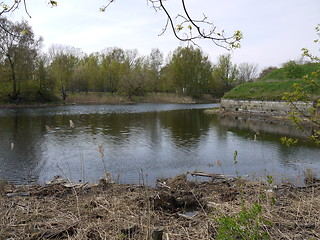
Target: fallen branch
[55, 234]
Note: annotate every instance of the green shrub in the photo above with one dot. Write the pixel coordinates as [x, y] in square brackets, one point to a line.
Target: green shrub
[293, 70]
[247, 224]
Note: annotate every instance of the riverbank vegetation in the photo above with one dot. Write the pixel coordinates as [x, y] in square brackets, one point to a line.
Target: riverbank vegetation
[177, 208]
[29, 75]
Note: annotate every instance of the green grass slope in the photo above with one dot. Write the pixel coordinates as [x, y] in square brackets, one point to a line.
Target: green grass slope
[280, 74]
[273, 86]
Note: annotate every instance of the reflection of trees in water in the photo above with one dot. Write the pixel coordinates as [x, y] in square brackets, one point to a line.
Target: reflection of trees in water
[155, 140]
[117, 126]
[218, 127]
[186, 126]
[20, 163]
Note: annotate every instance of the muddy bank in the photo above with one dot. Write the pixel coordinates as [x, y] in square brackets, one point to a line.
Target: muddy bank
[177, 208]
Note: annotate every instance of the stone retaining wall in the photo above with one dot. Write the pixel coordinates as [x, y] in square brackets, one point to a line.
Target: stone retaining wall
[272, 108]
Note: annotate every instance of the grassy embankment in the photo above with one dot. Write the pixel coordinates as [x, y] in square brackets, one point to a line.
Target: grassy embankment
[272, 86]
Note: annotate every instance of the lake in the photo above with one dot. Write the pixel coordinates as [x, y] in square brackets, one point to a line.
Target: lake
[143, 142]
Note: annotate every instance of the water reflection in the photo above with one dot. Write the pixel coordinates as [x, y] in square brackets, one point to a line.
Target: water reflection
[260, 124]
[162, 140]
[20, 139]
[264, 135]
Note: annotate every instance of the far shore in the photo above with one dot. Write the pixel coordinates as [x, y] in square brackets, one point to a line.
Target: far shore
[114, 99]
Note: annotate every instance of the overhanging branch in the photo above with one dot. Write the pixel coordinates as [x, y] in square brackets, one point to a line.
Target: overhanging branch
[189, 24]
[188, 30]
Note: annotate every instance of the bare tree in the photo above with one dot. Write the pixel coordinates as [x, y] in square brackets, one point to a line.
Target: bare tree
[7, 8]
[247, 72]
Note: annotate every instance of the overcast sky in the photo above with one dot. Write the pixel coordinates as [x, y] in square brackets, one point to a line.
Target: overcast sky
[274, 30]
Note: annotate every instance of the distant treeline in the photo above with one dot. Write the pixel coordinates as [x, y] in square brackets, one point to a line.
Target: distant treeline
[64, 69]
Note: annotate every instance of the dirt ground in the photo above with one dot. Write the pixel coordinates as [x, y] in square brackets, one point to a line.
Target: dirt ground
[176, 209]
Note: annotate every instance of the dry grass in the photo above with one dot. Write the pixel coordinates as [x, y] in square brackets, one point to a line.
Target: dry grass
[119, 211]
[109, 98]
[95, 98]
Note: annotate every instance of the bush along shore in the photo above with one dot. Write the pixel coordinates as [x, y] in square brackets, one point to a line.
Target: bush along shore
[177, 208]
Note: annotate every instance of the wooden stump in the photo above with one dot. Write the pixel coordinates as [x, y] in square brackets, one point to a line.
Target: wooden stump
[157, 234]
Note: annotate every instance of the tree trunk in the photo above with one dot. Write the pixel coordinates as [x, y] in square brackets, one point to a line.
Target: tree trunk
[64, 94]
[15, 93]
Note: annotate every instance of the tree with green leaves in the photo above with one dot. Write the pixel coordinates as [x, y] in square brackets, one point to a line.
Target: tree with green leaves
[63, 64]
[224, 74]
[190, 70]
[133, 77]
[92, 63]
[79, 81]
[112, 64]
[153, 67]
[41, 74]
[18, 52]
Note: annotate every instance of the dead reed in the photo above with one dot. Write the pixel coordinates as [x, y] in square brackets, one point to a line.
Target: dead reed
[181, 208]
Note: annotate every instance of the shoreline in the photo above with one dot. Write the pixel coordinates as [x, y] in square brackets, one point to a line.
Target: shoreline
[247, 114]
[259, 116]
[100, 99]
[176, 207]
[267, 123]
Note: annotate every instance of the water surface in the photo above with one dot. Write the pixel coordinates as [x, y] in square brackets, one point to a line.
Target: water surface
[153, 140]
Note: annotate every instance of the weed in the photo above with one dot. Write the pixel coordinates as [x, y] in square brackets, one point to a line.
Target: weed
[269, 179]
[246, 224]
[121, 236]
[101, 151]
[309, 176]
[235, 161]
[235, 154]
[288, 141]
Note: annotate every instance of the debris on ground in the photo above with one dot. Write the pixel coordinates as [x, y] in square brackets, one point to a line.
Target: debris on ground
[177, 208]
